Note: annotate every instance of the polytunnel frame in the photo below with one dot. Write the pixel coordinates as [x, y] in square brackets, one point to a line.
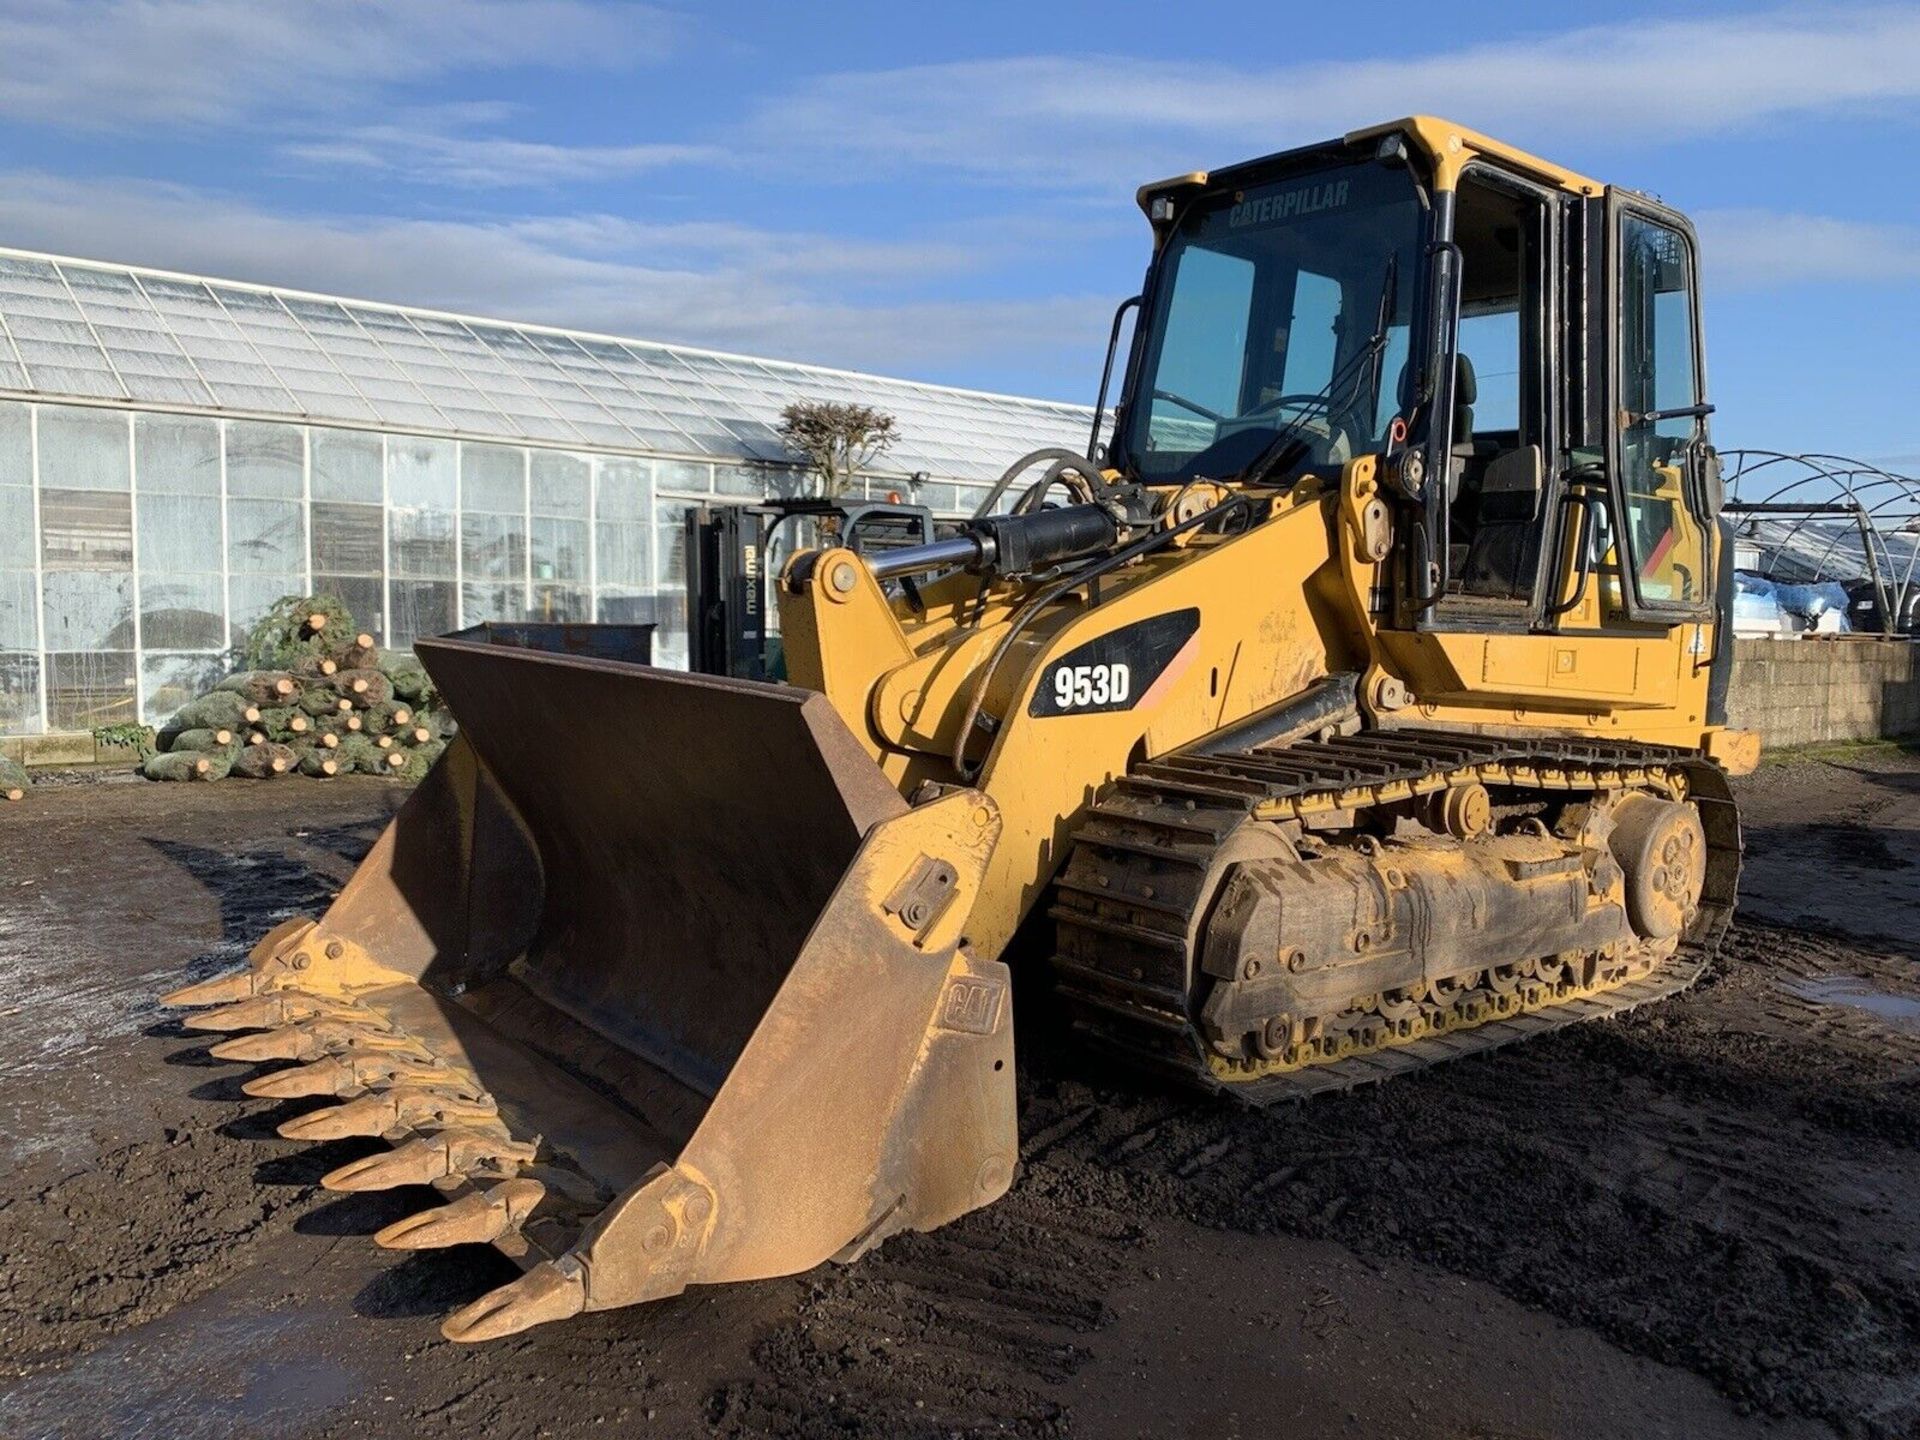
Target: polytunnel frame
[1871, 491]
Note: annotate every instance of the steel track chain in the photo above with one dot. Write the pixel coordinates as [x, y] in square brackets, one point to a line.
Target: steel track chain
[1126, 904]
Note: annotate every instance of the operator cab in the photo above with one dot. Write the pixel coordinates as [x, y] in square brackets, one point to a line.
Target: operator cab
[1417, 290]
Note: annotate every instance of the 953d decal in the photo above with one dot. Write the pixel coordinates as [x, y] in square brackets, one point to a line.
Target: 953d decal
[1118, 670]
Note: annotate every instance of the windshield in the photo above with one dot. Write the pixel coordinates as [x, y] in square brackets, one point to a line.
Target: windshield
[1267, 324]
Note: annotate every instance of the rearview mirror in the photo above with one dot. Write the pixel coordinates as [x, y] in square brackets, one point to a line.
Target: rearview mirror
[1713, 479]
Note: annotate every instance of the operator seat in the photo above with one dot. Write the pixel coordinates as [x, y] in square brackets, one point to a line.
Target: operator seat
[1504, 550]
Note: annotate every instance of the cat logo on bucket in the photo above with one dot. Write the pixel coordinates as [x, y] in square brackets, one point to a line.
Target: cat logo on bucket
[971, 1006]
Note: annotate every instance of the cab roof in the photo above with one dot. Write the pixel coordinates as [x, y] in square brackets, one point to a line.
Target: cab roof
[1447, 145]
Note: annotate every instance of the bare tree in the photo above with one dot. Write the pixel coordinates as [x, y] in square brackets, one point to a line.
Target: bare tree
[838, 440]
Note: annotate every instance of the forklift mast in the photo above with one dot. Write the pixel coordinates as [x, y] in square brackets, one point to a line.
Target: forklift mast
[728, 549]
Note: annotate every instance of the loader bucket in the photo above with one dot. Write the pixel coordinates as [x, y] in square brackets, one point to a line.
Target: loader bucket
[657, 978]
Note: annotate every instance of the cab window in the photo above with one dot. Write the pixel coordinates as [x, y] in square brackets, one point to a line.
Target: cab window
[1664, 539]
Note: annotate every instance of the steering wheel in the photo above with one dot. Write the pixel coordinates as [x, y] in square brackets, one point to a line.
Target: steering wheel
[1284, 402]
[1195, 406]
[1273, 406]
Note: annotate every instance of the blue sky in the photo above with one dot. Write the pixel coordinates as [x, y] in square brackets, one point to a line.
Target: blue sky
[940, 191]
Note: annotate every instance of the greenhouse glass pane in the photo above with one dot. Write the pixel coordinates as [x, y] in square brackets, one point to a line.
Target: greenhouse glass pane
[226, 361]
[479, 603]
[183, 612]
[346, 465]
[60, 369]
[609, 433]
[562, 604]
[623, 554]
[298, 360]
[169, 681]
[176, 455]
[622, 605]
[670, 544]
[422, 608]
[16, 527]
[87, 610]
[348, 539]
[266, 537]
[743, 480]
[493, 478]
[421, 472]
[559, 549]
[949, 499]
[493, 547]
[266, 461]
[560, 484]
[180, 534]
[364, 597]
[250, 597]
[421, 542]
[16, 443]
[625, 490]
[19, 594]
[86, 530]
[83, 449]
[87, 691]
[149, 361]
[683, 475]
[19, 694]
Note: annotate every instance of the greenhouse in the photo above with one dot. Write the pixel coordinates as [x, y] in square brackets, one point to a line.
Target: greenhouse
[178, 452]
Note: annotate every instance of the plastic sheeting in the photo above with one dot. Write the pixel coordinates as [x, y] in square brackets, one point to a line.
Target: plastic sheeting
[1766, 607]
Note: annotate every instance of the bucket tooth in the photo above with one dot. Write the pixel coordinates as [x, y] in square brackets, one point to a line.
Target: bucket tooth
[404, 1107]
[316, 1039]
[287, 1043]
[220, 990]
[431, 1158]
[351, 1073]
[330, 1076]
[267, 963]
[474, 1219]
[555, 1290]
[266, 1012]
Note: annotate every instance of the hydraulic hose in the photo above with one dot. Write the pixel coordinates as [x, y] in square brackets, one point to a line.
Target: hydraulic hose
[1064, 460]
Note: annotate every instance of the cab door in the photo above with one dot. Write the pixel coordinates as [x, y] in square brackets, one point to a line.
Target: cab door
[1621, 530]
[1664, 475]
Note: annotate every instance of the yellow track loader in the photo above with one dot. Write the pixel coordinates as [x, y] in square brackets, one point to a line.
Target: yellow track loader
[1359, 705]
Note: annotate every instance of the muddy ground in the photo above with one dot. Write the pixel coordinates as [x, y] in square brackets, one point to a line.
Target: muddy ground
[1700, 1221]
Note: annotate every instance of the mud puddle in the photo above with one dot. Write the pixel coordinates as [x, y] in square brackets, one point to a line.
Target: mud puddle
[209, 1370]
[1857, 993]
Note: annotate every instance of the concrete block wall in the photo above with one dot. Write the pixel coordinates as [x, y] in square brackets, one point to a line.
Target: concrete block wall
[1821, 690]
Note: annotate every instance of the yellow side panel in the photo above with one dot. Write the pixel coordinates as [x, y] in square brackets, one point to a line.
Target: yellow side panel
[1625, 673]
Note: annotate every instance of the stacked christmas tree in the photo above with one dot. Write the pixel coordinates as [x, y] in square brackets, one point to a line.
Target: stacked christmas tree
[315, 697]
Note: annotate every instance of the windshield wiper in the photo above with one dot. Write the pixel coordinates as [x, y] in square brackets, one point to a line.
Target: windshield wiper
[1286, 443]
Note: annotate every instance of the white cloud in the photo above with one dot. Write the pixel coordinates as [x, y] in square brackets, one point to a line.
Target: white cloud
[1764, 249]
[437, 157]
[112, 64]
[1108, 121]
[778, 293]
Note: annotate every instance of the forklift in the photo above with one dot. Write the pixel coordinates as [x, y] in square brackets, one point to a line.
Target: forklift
[734, 552]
